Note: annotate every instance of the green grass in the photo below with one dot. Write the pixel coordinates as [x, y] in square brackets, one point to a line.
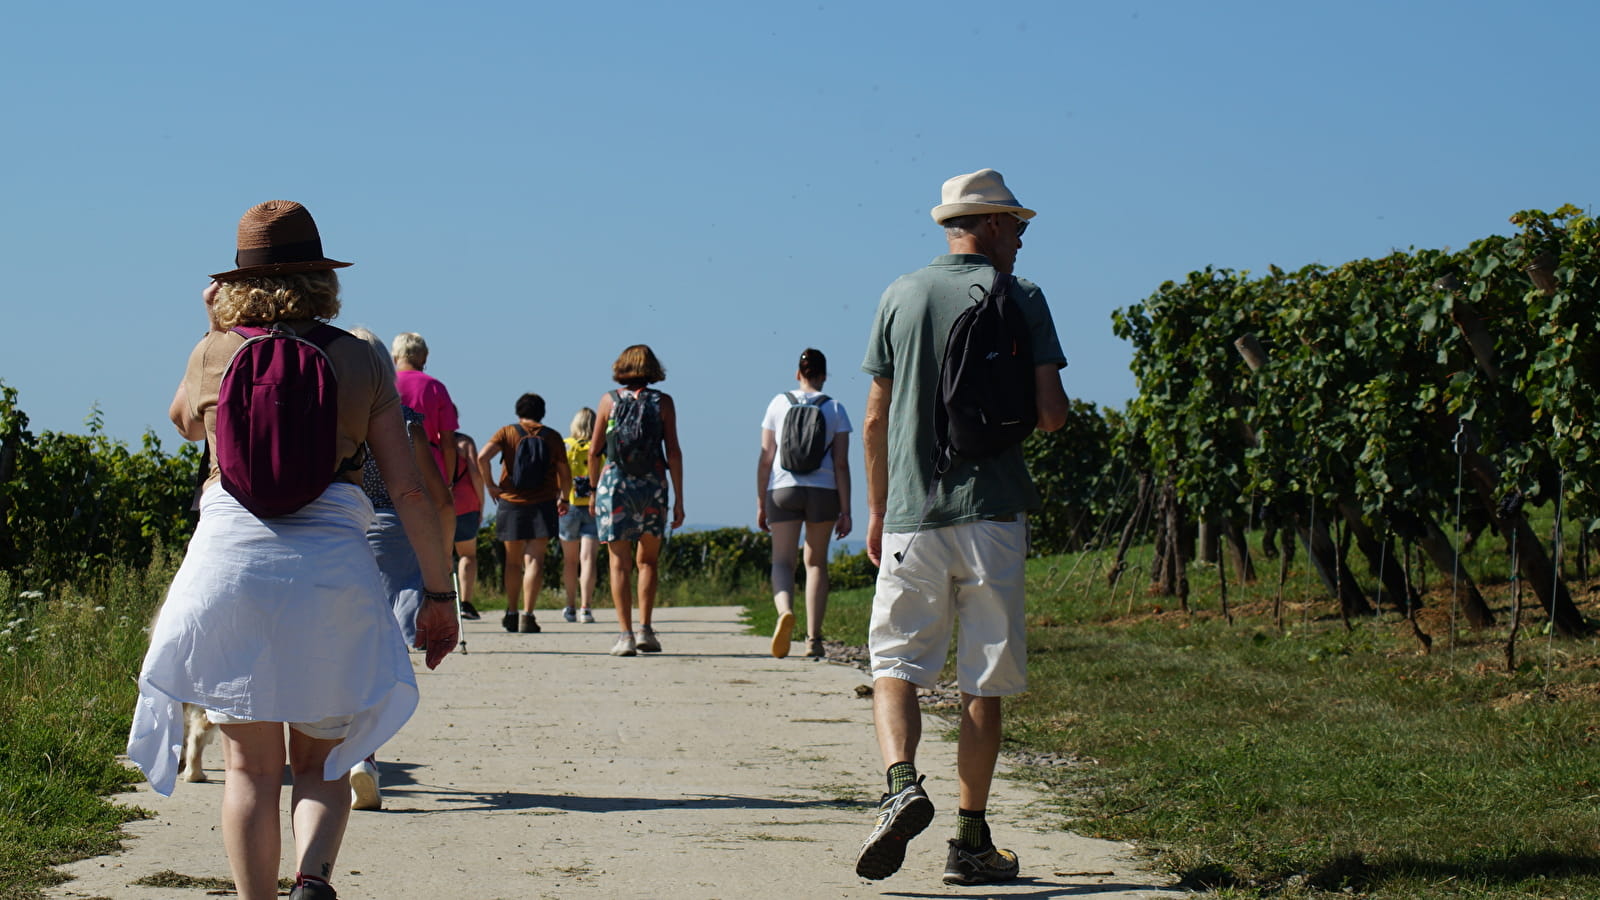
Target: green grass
[68, 665]
[1316, 761]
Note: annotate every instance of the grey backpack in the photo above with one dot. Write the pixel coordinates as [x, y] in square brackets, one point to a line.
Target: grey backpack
[804, 440]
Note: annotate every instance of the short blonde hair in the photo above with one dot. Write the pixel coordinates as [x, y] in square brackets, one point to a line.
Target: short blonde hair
[266, 299]
[582, 424]
[638, 364]
[409, 347]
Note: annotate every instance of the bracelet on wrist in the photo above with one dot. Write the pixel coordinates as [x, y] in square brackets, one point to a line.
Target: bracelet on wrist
[440, 596]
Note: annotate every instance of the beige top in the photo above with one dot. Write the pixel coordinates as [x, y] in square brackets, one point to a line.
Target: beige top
[366, 388]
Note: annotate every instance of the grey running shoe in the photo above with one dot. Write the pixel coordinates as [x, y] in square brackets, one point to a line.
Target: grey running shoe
[570, 614]
[625, 645]
[646, 639]
[585, 616]
[983, 866]
[815, 649]
[901, 817]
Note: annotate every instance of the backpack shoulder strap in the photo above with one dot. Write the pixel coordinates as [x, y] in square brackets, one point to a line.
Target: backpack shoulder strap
[822, 398]
[793, 400]
[324, 334]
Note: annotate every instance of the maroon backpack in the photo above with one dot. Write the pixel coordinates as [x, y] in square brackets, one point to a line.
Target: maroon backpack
[278, 420]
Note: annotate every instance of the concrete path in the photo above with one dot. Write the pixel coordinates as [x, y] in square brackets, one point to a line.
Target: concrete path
[539, 766]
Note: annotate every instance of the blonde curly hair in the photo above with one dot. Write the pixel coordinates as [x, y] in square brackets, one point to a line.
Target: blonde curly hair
[267, 299]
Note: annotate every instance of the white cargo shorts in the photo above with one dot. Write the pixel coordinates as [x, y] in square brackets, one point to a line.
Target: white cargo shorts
[971, 573]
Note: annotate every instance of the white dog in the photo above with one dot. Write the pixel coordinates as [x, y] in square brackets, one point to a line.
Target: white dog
[197, 733]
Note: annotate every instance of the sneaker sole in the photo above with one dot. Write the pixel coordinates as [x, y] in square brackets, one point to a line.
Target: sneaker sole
[883, 856]
[782, 635]
[365, 788]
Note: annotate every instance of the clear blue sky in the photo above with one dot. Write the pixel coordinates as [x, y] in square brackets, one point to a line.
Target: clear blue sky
[535, 186]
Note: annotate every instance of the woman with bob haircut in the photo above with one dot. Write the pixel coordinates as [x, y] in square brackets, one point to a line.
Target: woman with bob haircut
[631, 495]
[281, 624]
[817, 498]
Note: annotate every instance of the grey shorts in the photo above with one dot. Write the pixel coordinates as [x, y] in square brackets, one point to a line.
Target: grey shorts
[802, 504]
[524, 521]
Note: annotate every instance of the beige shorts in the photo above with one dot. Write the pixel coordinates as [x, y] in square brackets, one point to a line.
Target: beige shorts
[971, 573]
[332, 728]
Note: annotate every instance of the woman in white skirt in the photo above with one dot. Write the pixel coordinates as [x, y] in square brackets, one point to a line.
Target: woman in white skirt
[815, 498]
[281, 623]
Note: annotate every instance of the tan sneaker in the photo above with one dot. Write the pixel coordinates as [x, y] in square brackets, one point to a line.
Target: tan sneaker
[782, 634]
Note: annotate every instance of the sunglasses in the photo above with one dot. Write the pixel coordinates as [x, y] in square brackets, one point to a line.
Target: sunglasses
[1022, 224]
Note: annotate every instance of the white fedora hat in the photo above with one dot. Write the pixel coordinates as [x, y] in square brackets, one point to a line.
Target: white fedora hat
[984, 191]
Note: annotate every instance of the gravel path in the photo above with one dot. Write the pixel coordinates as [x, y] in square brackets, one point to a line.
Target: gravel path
[539, 766]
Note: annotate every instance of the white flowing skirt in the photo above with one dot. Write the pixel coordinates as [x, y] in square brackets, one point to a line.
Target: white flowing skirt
[276, 620]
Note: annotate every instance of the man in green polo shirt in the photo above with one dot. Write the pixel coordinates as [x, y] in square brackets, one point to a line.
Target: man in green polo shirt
[966, 564]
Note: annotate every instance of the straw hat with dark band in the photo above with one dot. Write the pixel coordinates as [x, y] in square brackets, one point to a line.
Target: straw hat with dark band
[278, 237]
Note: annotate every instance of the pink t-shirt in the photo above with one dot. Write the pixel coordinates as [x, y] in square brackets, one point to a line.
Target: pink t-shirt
[427, 395]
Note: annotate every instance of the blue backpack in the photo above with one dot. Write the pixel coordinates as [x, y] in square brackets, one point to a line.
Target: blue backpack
[531, 463]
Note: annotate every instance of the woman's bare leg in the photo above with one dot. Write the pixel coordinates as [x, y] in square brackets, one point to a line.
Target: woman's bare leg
[785, 550]
[649, 550]
[253, 757]
[590, 573]
[319, 809]
[467, 569]
[571, 565]
[533, 572]
[621, 553]
[817, 536]
[513, 580]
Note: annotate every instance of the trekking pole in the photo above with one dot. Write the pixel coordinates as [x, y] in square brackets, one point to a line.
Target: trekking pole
[461, 630]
